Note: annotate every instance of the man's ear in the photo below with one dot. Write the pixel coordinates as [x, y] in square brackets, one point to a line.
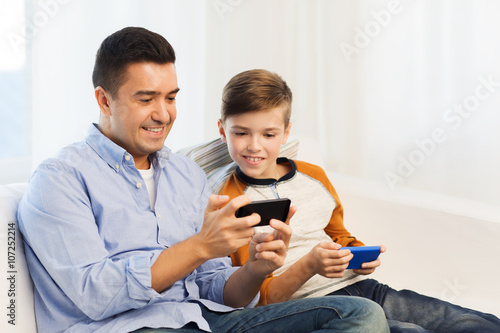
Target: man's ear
[103, 100]
[222, 132]
[287, 133]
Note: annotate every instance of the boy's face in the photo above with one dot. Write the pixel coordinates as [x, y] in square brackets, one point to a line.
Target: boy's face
[254, 140]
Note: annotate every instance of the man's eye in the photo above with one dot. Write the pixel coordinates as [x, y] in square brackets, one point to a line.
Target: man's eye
[146, 100]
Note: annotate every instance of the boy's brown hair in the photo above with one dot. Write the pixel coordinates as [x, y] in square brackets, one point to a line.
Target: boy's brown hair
[254, 90]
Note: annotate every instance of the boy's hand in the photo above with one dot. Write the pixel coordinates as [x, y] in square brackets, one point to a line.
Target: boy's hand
[369, 267]
[222, 233]
[267, 251]
[325, 259]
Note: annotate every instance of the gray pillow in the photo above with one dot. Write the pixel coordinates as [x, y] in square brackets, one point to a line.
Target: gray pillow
[213, 157]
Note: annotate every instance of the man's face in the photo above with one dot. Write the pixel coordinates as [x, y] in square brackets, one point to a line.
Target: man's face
[143, 111]
[254, 140]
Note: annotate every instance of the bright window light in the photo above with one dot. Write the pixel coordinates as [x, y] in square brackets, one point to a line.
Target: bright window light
[13, 35]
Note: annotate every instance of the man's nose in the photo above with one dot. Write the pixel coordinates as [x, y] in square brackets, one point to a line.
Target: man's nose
[163, 112]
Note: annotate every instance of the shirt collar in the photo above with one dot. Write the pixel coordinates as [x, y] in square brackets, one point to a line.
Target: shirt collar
[268, 181]
[115, 155]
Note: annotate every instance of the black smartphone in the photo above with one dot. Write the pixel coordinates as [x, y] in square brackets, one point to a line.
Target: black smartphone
[267, 209]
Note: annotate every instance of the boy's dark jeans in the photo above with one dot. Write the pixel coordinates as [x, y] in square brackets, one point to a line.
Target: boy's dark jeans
[408, 311]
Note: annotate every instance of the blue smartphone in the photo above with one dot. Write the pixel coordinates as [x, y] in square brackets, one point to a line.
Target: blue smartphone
[362, 254]
[267, 209]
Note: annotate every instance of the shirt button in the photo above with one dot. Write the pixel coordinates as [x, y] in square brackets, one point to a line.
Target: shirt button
[117, 167]
[138, 185]
[159, 216]
[127, 157]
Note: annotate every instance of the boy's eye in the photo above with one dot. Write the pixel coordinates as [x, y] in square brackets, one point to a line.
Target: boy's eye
[239, 133]
[270, 135]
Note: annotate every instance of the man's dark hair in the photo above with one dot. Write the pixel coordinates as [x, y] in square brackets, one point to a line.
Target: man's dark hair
[124, 47]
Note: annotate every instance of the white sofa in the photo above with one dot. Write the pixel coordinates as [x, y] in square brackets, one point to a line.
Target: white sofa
[440, 246]
[16, 288]
[436, 245]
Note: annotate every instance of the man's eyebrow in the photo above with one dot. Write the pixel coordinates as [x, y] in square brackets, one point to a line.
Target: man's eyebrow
[146, 92]
[153, 92]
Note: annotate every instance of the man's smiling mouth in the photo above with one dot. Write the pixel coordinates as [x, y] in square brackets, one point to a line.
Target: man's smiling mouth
[155, 130]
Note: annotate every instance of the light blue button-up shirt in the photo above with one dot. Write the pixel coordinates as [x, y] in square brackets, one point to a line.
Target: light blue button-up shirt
[91, 238]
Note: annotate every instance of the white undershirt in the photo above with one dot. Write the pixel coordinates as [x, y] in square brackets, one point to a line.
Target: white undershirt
[148, 176]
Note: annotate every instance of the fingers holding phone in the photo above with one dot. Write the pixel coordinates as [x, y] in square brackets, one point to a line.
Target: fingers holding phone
[282, 230]
[221, 233]
[278, 239]
[267, 210]
[267, 251]
[368, 265]
[328, 260]
[268, 248]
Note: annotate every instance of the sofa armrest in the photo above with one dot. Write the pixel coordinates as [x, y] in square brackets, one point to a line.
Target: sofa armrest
[16, 287]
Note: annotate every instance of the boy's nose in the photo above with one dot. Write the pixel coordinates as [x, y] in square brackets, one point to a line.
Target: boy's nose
[254, 145]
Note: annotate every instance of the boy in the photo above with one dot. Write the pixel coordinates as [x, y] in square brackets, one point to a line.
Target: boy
[255, 122]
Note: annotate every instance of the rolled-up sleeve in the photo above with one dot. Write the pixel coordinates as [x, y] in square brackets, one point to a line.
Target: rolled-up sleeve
[212, 277]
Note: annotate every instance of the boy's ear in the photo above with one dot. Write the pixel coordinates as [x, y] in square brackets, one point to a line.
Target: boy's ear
[222, 132]
[287, 133]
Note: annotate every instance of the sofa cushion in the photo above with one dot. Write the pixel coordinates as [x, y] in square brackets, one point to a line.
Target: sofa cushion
[213, 157]
[16, 288]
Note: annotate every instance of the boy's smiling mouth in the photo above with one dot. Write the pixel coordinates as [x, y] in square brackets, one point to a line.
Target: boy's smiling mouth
[253, 159]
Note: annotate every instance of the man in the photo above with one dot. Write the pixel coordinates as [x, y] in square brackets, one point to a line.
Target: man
[122, 235]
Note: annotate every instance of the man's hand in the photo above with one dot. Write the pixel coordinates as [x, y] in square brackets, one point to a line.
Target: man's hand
[267, 251]
[369, 267]
[222, 233]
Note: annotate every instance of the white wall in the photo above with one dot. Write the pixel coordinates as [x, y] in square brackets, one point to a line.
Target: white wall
[403, 93]
[63, 59]
[378, 83]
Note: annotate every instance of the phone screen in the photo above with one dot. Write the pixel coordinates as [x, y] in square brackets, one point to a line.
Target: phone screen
[267, 209]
